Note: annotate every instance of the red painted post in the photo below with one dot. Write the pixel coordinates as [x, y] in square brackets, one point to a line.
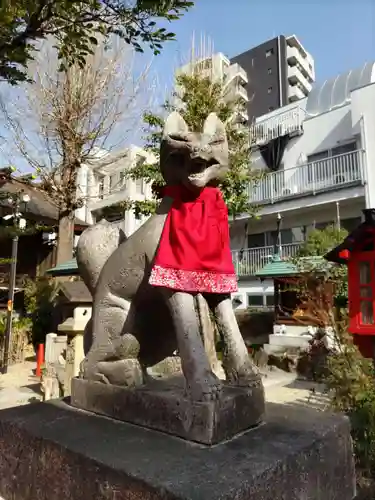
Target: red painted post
[39, 360]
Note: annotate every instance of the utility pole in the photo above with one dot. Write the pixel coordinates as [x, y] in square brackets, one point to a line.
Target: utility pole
[277, 243]
[15, 200]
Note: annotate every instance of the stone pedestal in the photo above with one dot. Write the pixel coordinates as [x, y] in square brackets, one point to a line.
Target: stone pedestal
[162, 405]
[50, 451]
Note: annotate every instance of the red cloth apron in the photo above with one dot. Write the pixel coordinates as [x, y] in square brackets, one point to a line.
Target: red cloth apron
[194, 253]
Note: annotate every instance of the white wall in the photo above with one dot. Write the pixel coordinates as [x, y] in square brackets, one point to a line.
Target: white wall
[363, 121]
[319, 134]
[89, 180]
[302, 216]
[252, 287]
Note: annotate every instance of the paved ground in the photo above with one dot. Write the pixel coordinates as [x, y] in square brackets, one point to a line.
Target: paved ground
[20, 386]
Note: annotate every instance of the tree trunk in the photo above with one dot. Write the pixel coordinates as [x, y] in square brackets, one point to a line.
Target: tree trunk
[65, 241]
[208, 334]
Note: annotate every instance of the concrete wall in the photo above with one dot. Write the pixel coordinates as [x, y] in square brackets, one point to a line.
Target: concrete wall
[300, 216]
[320, 133]
[363, 123]
[257, 65]
[252, 287]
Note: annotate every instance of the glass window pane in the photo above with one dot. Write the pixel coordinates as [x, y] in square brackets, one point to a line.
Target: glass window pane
[367, 316]
[364, 273]
[255, 240]
[255, 300]
[366, 291]
[270, 300]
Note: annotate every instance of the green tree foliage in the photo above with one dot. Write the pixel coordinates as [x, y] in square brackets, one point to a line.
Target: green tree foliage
[196, 98]
[40, 301]
[348, 376]
[75, 25]
[318, 243]
[321, 241]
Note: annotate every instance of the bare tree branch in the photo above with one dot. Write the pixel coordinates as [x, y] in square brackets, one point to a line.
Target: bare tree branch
[63, 119]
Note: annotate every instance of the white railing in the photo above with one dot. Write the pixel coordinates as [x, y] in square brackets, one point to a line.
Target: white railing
[249, 261]
[235, 71]
[242, 92]
[277, 125]
[319, 176]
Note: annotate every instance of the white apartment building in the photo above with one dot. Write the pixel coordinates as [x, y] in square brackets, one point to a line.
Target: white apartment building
[319, 160]
[219, 68]
[300, 69]
[103, 183]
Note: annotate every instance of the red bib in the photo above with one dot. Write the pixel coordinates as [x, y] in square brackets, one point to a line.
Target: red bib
[194, 252]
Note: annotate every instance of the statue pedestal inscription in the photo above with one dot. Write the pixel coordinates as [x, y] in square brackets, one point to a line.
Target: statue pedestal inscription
[163, 406]
[51, 451]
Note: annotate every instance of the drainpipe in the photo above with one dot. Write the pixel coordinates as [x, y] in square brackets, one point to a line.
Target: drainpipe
[277, 248]
[279, 63]
[338, 221]
[364, 162]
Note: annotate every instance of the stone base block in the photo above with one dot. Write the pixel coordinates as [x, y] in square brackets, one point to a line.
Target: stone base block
[51, 451]
[163, 406]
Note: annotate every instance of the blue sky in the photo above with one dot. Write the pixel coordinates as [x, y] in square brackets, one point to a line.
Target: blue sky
[340, 34]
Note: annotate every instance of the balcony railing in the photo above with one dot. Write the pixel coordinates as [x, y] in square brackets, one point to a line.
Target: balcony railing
[236, 71]
[324, 175]
[249, 261]
[283, 122]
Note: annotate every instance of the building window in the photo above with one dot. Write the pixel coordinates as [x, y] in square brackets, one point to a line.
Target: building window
[325, 164]
[112, 182]
[269, 52]
[139, 186]
[255, 300]
[269, 90]
[255, 240]
[269, 71]
[101, 188]
[270, 300]
[122, 178]
[344, 148]
[351, 224]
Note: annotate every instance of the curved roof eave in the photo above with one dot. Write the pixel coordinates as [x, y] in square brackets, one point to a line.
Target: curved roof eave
[335, 92]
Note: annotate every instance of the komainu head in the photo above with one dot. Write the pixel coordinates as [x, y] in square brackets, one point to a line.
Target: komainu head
[195, 159]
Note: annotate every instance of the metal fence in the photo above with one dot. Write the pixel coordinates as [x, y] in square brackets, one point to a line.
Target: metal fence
[249, 261]
[327, 174]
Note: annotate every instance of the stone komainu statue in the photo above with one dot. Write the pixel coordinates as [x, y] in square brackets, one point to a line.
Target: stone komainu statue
[144, 286]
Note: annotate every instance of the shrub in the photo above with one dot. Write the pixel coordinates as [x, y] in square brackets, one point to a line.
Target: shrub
[20, 338]
[40, 300]
[351, 381]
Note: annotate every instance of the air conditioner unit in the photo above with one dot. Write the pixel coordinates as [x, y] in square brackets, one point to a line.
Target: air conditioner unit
[287, 191]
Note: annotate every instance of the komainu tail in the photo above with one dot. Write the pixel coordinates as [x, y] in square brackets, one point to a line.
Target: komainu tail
[95, 245]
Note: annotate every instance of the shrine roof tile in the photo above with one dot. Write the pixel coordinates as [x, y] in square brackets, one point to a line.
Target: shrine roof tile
[67, 268]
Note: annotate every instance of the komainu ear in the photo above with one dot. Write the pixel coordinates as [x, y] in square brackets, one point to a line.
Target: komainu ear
[213, 126]
[175, 125]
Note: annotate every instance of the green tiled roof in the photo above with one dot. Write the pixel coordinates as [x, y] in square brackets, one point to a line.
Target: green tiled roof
[66, 268]
[277, 267]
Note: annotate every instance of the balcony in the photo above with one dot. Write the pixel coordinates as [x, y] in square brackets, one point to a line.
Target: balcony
[294, 57]
[295, 93]
[282, 122]
[249, 261]
[242, 92]
[332, 173]
[295, 77]
[235, 71]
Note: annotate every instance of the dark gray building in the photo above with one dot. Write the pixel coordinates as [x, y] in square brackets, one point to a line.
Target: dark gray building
[279, 71]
